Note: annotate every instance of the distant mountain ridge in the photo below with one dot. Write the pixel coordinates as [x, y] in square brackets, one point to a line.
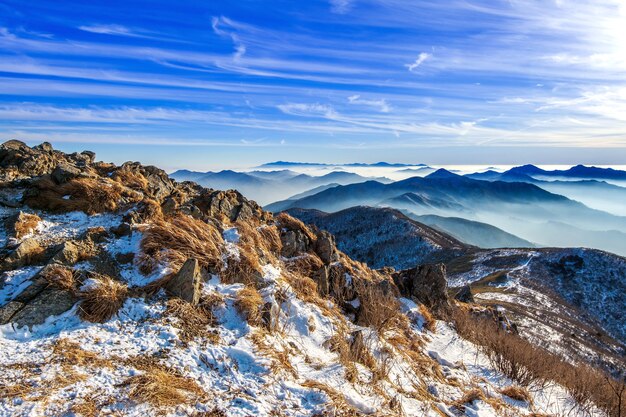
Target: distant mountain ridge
[267, 186]
[353, 164]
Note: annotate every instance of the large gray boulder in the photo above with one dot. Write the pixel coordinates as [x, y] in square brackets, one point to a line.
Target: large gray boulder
[426, 284]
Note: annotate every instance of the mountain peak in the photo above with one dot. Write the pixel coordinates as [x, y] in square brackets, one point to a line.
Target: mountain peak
[442, 173]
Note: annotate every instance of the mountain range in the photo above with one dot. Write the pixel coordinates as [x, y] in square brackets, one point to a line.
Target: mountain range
[267, 186]
[519, 208]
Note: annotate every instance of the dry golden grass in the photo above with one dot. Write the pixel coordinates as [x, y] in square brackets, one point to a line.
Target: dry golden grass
[246, 269]
[103, 300]
[517, 393]
[68, 352]
[194, 321]
[249, 303]
[163, 387]
[59, 277]
[130, 178]
[285, 221]
[26, 223]
[305, 265]
[469, 397]
[430, 323]
[86, 407]
[175, 240]
[379, 310]
[85, 194]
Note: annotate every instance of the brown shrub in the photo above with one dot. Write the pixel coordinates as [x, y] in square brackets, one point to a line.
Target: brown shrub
[103, 300]
[175, 240]
[26, 223]
[162, 387]
[59, 276]
[82, 194]
[517, 393]
[249, 303]
[469, 397]
[526, 363]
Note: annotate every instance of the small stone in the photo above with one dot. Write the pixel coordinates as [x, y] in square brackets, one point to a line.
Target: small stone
[186, 283]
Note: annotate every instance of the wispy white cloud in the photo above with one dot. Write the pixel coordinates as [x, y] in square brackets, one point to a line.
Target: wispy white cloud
[341, 6]
[381, 104]
[308, 110]
[110, 29]
[421, 58]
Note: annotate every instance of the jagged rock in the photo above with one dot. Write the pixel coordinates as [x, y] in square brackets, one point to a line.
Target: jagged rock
[44, 146]
[427, 284]
[169, 206]
[71, 252]
[341, 284]
[89, 155]
[97, 234]
[464, 295]
[295, 242]
[25, 253]
[65, 172]
[325, 247]
[186, 283]
[28, 162]
[8, 310]
[322, 279]
[123, 229]
[36, 302]
[49, 302]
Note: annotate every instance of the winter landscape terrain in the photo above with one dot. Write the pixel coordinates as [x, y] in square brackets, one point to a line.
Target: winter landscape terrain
[125, 292]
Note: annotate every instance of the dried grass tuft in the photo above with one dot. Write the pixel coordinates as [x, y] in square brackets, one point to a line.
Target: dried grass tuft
[249, 303]
[59, 277]
[25, 224]
[131, 179]
[163, 387]
[430, 323]
[194, 321]
[517, 393]
[102, 301]
[175, 240]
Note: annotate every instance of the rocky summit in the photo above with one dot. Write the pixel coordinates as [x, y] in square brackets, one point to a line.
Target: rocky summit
[124, 292]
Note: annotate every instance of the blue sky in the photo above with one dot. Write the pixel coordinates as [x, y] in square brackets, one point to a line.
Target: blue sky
[226, 84]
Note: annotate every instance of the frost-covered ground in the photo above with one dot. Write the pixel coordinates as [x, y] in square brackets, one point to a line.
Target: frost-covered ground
[242, 369]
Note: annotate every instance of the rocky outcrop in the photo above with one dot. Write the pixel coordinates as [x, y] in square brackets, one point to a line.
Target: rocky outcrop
[186, 283]
[37, 302]
[427, 284]
[464, 294]
[25, 253]
[326, 248]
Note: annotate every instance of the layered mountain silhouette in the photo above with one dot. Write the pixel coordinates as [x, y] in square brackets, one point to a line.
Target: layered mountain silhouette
[520, 208]
[267, 186]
